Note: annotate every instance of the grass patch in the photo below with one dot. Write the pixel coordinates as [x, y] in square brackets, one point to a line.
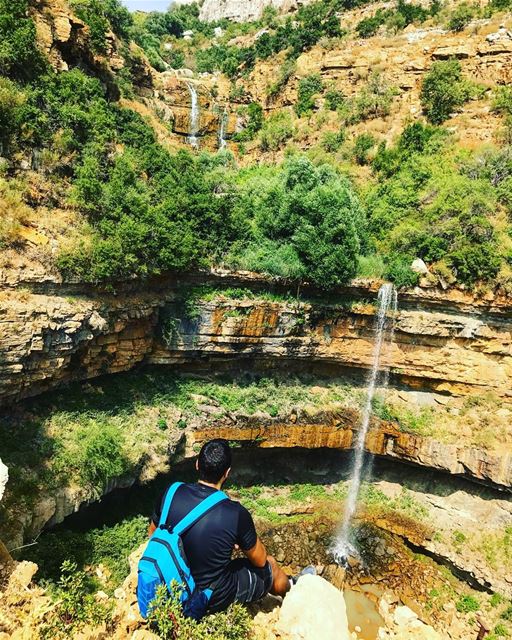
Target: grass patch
[109, 546]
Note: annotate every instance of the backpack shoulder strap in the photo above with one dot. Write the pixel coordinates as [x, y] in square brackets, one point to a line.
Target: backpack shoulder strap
[166, 506]
[199, 511]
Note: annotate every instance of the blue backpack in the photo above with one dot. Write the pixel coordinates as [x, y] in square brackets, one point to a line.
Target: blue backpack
[164, 560]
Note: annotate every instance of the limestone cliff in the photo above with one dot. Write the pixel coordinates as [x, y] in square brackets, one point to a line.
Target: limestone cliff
[447, 347]
[245, 10]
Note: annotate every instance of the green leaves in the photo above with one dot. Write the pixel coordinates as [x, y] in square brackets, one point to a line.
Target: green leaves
[307, 223]
[20, 57]
[444, 90]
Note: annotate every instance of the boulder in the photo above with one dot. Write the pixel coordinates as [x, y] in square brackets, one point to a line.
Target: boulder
[313, 609]
[418, 266]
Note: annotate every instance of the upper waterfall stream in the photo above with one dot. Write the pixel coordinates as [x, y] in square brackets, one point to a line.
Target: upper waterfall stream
[222, 129]
[194, 116]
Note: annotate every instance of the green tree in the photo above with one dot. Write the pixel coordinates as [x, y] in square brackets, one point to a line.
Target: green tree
[308, 88]
[313, 213]
[20, 57]
[11, 101]
[444, 90]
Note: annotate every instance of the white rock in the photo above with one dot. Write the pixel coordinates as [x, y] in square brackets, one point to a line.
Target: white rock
[4, 477]
[313, 609]
[418, 266]
[404, 616]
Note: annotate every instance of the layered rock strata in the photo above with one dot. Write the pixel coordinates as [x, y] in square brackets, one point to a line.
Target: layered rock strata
[447, 343]
[338, 430]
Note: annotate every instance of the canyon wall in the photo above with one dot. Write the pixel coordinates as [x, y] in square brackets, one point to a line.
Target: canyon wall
[450, 343]
[446, 345]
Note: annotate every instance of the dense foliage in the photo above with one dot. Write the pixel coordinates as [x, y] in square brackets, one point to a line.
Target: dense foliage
[401, 16]
[311, 23]
[307, 222]
[148, 211]
[453, 230]
[444, 90]
[167, 619]
[19, 56]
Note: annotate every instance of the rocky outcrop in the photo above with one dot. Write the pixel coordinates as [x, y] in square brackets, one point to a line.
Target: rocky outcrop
[447, 343]
[242, 10]
[338, 431]
[48, 340]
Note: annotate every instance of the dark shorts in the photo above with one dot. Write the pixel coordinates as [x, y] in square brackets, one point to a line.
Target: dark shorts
[252, 582]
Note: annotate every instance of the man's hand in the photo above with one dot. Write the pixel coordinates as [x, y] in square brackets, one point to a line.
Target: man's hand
[152, 528]
[257, 555]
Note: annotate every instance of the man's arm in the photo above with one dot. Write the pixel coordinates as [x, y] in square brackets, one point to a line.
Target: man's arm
[257, 556]
[152, 528]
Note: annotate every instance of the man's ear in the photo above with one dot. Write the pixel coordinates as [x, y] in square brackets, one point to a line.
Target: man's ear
[227, 473]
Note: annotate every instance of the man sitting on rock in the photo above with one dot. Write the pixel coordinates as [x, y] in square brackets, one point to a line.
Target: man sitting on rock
[210, 542]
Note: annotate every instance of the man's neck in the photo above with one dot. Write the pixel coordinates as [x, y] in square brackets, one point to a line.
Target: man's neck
[217, 486]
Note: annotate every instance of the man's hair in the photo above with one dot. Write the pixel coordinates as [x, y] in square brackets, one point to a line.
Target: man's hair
[214, 460]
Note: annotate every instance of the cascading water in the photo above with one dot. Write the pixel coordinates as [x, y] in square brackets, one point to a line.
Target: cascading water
[222, 130]
[194, 116]
[384, 330]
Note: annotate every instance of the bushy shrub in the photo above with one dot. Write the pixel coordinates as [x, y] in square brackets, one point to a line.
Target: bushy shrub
[332, 140]
[75, 607]
[444, 90]
[277, 129]
[11, 101]
[167, 619]
[500, 5]
[334, 99]
[362, 145]
[373, 101]
[369, 26]
[253, 115]
[20, 57]
[398, 270]
[14, 212]
[94, 455]
[286, 71]
[461, 17]
[502, 102]
[313, 214]
[308, 88]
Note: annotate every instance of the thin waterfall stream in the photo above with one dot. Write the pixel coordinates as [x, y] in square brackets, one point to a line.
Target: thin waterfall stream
[194, 116]
[222, 129]
[387, 302]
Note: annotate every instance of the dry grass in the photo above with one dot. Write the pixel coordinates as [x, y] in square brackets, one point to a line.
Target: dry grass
[14, 212]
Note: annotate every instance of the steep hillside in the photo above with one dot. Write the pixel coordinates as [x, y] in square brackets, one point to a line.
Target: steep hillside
[405, 108]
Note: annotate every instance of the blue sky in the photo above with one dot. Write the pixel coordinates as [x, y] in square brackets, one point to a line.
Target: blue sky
[147, 5]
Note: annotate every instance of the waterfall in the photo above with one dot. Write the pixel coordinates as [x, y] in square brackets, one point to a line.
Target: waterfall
[222, 129]
[194, 116]
[384, 331]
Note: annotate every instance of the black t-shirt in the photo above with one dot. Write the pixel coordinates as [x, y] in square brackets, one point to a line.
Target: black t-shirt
[209, 542]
